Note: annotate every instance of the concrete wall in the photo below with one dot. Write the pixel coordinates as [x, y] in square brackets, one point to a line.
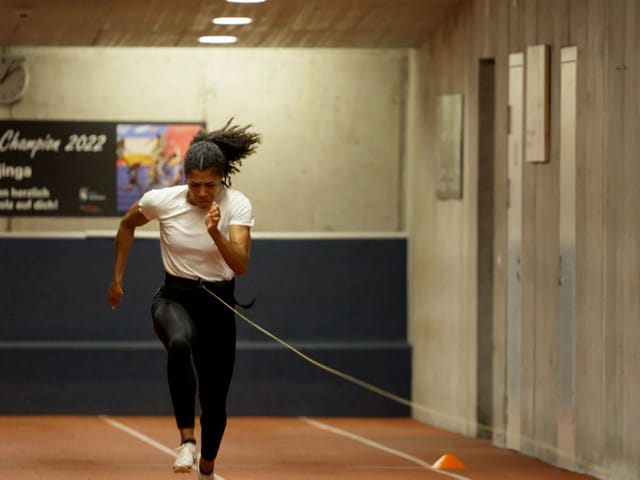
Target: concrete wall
[331, 121]
[573, 400]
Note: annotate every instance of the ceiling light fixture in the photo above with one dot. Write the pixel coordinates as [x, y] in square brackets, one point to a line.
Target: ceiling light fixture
[218, 39]
[232, 20]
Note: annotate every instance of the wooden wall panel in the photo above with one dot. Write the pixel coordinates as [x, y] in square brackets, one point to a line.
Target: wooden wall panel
[527, 12]
[516, 26]
[546, 244]
[467, 65]
[606, 361]
[624, 71]
[500, 52]
[485, 13]
[513, 255]
[590, 38]
[528, 269]
[614, 232]
[448, 246]
[631, 346]
[567, 245]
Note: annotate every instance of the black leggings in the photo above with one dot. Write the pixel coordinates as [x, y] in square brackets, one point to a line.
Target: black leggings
[194, 325]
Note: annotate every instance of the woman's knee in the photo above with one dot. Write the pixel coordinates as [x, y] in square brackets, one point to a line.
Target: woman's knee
[179, 342]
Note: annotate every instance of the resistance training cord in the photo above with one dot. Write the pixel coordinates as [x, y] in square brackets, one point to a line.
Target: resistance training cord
[416, 406]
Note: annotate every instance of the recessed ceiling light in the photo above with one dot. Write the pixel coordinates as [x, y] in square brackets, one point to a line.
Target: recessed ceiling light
[246, 1]
[218, 39]
[232, 20]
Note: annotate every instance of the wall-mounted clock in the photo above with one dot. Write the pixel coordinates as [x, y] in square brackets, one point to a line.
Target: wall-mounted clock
[14, 79]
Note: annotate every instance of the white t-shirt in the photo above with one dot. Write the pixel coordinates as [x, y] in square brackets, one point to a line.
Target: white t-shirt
[187, 249]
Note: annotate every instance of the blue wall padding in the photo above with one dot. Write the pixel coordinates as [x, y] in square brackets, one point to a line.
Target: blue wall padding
[341, 301]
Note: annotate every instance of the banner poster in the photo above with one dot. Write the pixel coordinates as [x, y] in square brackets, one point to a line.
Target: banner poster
[76, 168]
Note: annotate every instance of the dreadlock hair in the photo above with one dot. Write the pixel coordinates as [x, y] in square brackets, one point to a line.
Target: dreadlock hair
[221, 150]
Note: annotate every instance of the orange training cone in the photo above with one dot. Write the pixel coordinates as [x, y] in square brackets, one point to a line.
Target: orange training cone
[448, 462]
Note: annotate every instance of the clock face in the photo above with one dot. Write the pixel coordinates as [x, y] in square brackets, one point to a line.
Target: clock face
[13, 79]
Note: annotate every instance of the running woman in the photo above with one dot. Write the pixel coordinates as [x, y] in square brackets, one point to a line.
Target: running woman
[205, 241]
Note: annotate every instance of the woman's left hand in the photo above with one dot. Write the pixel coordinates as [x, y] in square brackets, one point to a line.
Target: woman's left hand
[213, 217]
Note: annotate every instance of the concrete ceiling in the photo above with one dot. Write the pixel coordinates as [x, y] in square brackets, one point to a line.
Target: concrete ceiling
[179, 23]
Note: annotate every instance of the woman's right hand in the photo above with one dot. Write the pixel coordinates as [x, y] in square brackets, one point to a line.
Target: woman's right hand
[115, 294]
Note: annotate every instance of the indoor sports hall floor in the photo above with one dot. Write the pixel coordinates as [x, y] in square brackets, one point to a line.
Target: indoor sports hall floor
[254, 448]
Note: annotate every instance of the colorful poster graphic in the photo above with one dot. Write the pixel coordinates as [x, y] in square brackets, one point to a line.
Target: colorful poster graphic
[66, 168]
[149, 156]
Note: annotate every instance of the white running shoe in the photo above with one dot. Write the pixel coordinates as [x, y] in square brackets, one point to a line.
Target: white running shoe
[202, 476]
[205, 476]
[185, 458]
[211, 476]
